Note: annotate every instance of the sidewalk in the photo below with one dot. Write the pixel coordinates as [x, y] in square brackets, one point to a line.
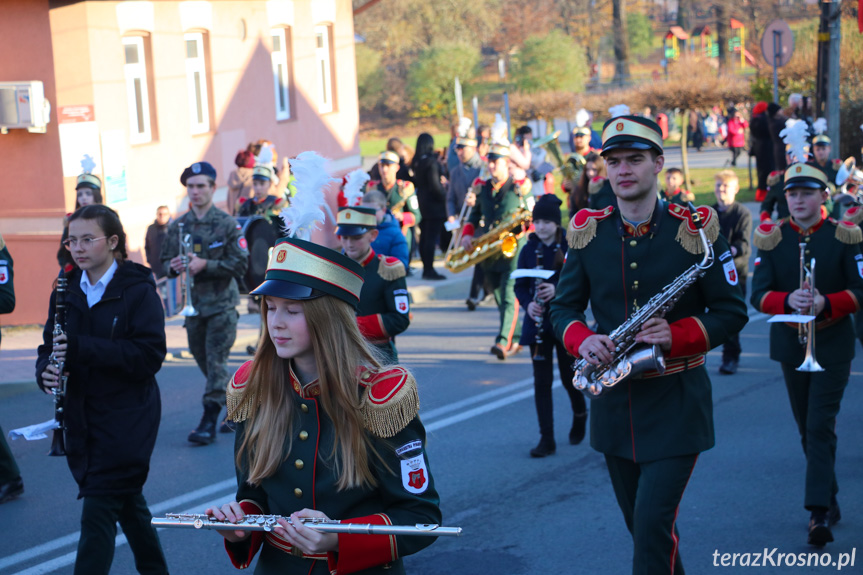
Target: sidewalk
[18, 347]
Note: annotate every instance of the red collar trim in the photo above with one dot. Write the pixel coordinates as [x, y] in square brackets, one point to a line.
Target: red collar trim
[307, 391]
[368, 259]
[808, 232]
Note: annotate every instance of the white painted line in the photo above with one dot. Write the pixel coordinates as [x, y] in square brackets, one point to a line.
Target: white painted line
[479, 398]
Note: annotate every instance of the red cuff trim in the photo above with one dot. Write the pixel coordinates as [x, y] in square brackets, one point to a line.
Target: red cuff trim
[358, 552]
[469, 230]
[408, 219]
[773, 302]
[764, 216]
[372, 327]
[573, 336]
[688, 337]
[841, 304]
[240, 559]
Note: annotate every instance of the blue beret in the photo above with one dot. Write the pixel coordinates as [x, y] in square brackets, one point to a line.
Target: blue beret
[198, 169]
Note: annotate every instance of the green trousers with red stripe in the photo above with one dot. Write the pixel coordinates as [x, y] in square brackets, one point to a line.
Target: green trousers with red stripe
[503, 288]
[649, 495]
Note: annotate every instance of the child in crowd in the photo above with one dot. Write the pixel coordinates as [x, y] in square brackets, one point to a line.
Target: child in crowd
[390, 240]
[545, 250]
[674, 191]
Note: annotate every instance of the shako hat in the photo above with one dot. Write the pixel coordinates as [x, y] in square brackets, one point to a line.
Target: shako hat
[301, 270]
[581, 131]
[88, 181]
[198, 169]
[821, 140]
[388, 157]
[805, 176]
[632, 133]
[356, 220]
[263, 173]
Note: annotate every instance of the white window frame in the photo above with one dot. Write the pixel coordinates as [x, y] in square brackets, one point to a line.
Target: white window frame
[323, 70]
[139, 133]
[281, 81]
[196, 83]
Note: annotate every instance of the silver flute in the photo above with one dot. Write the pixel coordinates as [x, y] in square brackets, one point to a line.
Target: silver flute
[268, 522]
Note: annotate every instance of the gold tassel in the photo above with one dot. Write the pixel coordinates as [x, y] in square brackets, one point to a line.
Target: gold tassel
[233, 397]
[692, 242]
[595, 185]
[848, 233]
[390, 272]
[853, 215]
[767, 240]
[773, 178]
[387, 419]
[579, 238]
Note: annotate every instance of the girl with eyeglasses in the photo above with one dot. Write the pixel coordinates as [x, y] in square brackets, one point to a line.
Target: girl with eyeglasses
[113, 345]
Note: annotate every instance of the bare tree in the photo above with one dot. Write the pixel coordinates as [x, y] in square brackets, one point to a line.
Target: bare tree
[621, 43]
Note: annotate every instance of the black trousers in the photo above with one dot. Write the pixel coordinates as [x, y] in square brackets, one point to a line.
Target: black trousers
[99, 528]
[477, 283]
[815, 399]
[735, 153]
[8, 467]
[430, 230]
[731, 349]
[649, 495]
[543, 377]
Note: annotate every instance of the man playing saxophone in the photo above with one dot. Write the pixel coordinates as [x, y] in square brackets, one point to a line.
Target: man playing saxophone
[832, 294]
[650, 428]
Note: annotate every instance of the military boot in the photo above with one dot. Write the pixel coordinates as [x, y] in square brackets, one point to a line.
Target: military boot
[205, 433]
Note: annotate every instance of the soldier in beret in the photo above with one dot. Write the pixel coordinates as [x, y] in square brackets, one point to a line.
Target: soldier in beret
[832, 295]
[219, 257]
[384, 308]
[650, 428]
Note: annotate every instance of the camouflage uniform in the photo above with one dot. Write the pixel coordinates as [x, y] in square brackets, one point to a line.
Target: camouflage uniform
[216, 238]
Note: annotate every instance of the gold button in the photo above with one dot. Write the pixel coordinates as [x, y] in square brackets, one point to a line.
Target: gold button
[806, 239]
[633, 243]
[298, 464]
[304, 435]
[298, 492]
[633, 265]
[635, 286]
[304, 407]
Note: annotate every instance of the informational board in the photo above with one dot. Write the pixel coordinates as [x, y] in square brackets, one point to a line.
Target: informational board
[79, 141]
[114, 165]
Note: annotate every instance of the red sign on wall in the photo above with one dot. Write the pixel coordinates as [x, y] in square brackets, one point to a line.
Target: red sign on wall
[75, 114]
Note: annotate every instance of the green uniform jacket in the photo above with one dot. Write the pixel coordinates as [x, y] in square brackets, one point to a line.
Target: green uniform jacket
[491, 208]
[216, 238]
[830, 169]
[663, 416]
[775, 197]
[384, 308]
[7, 276]
[838, 271]
[404, 495]
[401, 200]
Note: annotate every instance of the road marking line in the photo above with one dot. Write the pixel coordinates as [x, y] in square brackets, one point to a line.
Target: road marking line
[481, 397]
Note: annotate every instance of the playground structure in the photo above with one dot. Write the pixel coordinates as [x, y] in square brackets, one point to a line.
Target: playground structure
[702, 42]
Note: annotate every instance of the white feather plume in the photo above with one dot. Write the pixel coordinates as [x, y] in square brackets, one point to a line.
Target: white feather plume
[582, 117]
[499, 129]
[464, 125]
[311, 177]
[265, 156]
[354, 185]
[619, 110]
[819, 126]
[795, 135]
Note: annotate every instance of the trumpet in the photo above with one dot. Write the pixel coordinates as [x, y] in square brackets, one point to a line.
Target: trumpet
[806, 331]
[188, 310]
[58, 441]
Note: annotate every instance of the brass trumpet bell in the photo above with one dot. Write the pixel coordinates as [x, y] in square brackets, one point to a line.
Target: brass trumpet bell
[509, 246]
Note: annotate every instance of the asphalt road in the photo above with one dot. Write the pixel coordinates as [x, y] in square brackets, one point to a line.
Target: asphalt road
[520, 515]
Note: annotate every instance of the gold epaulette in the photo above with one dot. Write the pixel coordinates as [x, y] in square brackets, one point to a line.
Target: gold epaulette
[854, 215]
[774, 178]
[767, 235]
[595, 185]
[390, 400]
[407, 187]
[848, 232]
[390, 268]
[687, 233]
[582, 226]
[234, 394]
[524, 187]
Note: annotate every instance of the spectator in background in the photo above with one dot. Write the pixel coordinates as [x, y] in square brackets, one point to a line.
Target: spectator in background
[695, 130]
[390, 241]
[776, 123]
[156, 233]
[761, 146]
[580, 194]
[240, 180]
[11, 484]
[483, 135]
[711, 129]
[736, 138]
[431, 193]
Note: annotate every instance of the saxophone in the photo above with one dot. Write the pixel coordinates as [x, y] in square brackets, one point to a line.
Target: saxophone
[500, 240]
[629, 360]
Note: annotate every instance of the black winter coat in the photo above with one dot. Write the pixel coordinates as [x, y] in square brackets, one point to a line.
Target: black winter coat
[430, 192]
[113, 406]
[762, 147]
[525, 288]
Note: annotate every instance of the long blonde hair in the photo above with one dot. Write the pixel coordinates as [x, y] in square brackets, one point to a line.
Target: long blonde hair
[339, 350]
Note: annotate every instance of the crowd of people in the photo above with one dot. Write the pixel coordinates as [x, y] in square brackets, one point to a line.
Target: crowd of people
[290, 408]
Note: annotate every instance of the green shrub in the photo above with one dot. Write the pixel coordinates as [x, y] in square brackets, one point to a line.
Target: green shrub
[370, 78]
[550, 62]
[431, 78]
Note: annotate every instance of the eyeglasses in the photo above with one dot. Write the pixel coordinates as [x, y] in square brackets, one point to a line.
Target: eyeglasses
[85, 242]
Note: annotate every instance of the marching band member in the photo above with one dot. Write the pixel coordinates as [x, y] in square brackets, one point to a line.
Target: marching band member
[384, 308]
[497, 199]
[545, 249]
[322, 429]
[113, 346]
[815, 396]
[262, 203]
[650, 429]
[401, 197]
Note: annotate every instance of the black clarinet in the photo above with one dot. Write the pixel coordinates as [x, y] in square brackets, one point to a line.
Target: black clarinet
[58, 442]
[538, 356]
